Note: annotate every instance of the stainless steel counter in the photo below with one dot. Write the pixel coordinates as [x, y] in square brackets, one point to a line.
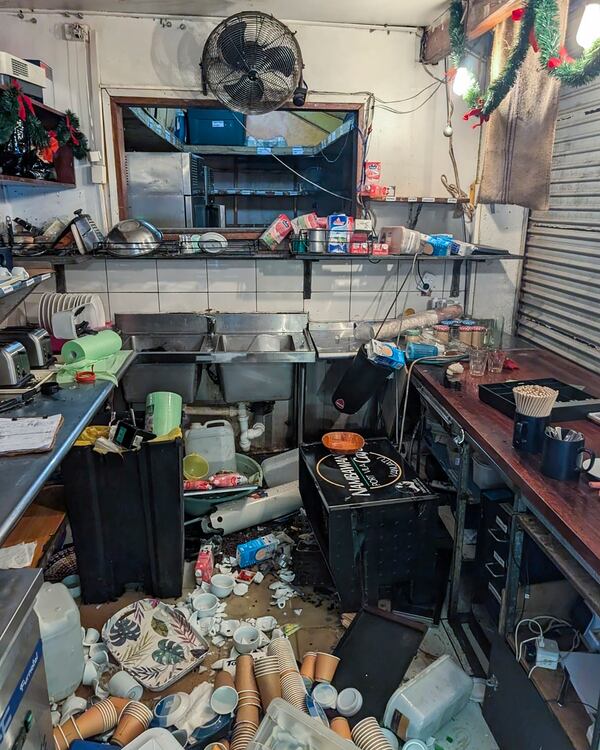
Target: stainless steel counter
[24, 476]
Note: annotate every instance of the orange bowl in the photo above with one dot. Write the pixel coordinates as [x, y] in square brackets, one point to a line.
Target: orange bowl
[343, 442]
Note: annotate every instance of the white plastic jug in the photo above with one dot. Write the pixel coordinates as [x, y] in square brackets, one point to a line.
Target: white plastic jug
[60, 629]
[214, 441]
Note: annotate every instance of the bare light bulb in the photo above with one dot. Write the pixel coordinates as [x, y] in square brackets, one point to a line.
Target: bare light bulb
[589, 27]
[463, 80]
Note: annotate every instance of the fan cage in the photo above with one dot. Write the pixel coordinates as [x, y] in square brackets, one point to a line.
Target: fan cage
[252, 63]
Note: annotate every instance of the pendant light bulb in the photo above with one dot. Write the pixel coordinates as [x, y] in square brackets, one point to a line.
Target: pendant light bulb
[589, 27]
[463, 80]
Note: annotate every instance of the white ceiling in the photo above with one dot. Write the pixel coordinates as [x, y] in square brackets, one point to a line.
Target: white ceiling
[393, 12]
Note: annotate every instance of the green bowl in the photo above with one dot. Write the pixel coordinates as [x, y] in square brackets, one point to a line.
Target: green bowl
[199, 506]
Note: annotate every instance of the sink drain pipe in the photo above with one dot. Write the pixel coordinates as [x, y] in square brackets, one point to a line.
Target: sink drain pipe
[247, 434]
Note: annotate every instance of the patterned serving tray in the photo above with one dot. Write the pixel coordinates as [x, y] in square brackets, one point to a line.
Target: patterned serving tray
[154, 643]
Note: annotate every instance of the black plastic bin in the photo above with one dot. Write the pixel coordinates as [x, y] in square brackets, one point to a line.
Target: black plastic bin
[126, 514]
[361, 381]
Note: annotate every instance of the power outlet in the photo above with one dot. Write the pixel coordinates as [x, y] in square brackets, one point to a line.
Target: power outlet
[427, 283]
[547, 654]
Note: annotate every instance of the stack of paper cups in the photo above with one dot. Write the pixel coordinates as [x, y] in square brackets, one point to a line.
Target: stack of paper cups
[267, 676]
[100, 718]
[134, 720]
[367, 735]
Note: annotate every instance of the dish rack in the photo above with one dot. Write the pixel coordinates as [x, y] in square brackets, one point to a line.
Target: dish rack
[166, 249]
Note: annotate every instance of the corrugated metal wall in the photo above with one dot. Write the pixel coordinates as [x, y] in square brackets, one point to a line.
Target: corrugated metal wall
[559, 306]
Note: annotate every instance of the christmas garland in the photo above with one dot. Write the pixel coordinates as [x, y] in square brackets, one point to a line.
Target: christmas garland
[539, 29]
[68, 132]
[16, 107]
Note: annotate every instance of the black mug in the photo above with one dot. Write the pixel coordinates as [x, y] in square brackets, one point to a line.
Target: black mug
[528, 433]
[563, 459]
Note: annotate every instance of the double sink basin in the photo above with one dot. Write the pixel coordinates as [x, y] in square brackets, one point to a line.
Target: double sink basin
[263, 347]
[222, 348]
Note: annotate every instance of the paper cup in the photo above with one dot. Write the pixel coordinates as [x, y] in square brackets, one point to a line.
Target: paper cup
[135, 719]
[247, 714]
[270, 688]
[341, 727]
[308, 665]
[119, 703]
[325, 667]
[224, 679]
[100, 718]
[244, 674]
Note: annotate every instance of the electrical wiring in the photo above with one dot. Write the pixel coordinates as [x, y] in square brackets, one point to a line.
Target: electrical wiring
[552, 624]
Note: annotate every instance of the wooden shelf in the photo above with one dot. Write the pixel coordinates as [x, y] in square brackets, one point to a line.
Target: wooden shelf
[7, 179]
[572, 716]
[63, 159]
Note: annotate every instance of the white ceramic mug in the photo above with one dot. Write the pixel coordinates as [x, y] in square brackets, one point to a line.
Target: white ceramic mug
[122, 685]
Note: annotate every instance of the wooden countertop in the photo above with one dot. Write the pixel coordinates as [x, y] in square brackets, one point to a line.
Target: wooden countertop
[572, 508]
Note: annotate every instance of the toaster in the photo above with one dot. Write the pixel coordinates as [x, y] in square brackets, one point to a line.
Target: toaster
[14, 365]
[35, 340]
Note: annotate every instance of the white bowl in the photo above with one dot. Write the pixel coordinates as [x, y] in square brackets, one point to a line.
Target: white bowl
[206, 605]
[245, 639]
[349, 702]
[221, 585]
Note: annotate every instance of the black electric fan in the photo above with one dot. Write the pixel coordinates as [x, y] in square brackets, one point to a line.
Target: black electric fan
[252, 63]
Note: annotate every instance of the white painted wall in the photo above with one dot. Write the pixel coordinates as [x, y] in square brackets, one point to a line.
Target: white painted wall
[139, 55]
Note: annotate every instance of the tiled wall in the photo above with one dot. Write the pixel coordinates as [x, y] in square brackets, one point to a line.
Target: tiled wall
[341, 290]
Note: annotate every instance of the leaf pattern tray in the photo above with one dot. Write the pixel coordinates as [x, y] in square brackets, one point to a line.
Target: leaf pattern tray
[153, 642]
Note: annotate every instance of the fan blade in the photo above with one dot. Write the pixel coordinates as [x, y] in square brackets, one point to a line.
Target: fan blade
[231, 45]
[281, 59]
[245, 91]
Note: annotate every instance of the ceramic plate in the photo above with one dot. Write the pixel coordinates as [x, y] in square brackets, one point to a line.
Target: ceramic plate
[154, 643]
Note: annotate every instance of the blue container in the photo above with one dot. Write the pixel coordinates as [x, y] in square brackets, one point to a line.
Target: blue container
[416, 351]
[216, 127]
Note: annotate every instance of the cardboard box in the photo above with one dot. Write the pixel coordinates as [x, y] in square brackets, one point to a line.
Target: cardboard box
[256, 550]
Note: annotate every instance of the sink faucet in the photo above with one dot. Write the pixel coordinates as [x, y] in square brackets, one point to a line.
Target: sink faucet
[211, 325]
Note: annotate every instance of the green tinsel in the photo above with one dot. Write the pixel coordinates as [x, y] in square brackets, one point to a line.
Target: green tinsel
[542, 17]
[473, 94]
[547, 31]
[500, 87]
[456, 30]
[9, 114]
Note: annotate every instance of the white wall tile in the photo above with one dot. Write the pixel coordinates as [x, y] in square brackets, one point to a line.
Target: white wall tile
[232, 301]
[182, 275]
[436, 268]
[414, 300]
[279, 275]
[231, 275]
[331, 277]
[372, 305]
[87, 277]
[132, 275]
[183, 301]
[324, 306]
[279, 302]
[374, 277]
[133, 302]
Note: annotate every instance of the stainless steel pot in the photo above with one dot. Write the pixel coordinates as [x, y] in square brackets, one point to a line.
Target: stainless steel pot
[133, 237]
[317, 240]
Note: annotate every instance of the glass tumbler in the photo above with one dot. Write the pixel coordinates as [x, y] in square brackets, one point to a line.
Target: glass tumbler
[496, 359]
[477, 362]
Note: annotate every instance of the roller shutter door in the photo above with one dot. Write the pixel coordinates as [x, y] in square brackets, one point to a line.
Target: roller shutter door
[559, 304]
